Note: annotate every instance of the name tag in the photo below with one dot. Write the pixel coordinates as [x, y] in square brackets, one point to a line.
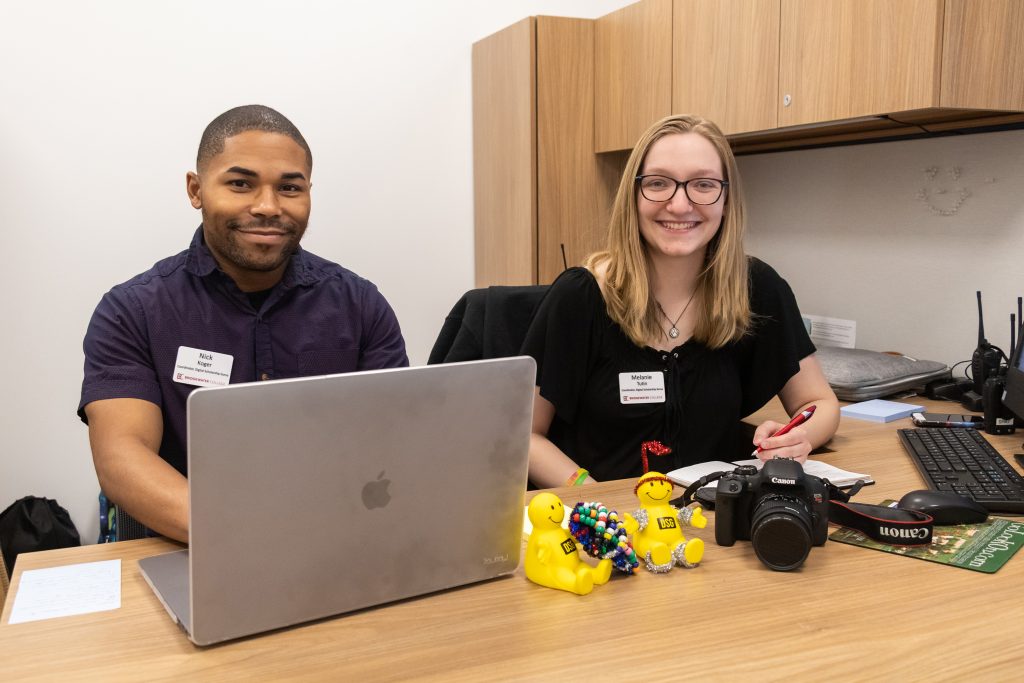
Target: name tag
[202, 368]
[641, 387]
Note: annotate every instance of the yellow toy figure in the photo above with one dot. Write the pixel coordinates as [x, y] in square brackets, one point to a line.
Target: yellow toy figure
[657, 535]
[552, 559]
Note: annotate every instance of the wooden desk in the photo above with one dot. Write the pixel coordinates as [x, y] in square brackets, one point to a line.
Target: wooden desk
[847, 613]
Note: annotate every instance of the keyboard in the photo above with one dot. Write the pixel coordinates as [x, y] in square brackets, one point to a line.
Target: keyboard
[962, 461]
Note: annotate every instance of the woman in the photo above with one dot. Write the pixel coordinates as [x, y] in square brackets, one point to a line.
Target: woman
[650, 355]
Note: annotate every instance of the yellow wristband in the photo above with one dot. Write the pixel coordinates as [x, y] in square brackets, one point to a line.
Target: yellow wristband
[578, 477]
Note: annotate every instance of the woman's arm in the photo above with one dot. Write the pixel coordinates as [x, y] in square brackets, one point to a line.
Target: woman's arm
[806, 388]
[549, 466]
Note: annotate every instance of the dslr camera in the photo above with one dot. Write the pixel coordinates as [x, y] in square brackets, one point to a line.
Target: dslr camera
[780, 510]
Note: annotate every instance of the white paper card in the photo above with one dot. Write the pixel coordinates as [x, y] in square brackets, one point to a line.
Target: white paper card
[202, 368]
[641, 387]
[832, 331]
[68, 590]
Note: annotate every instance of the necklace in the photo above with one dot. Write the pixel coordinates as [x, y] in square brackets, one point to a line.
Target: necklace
[673, 332]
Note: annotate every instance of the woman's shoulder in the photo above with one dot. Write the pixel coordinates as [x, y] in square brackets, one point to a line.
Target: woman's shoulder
[576, 283]
[761, 274]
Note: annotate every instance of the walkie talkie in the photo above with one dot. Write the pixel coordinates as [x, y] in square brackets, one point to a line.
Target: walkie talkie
[984, 362]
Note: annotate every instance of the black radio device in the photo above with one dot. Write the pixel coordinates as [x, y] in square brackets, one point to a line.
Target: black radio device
[998, 418]
[985, 362]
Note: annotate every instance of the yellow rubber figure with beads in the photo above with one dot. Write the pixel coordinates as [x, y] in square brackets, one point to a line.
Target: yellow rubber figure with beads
[552, 558]
[657, 526]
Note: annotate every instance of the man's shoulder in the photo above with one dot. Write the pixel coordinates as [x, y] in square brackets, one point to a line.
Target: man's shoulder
[319, 271]
[164, 273]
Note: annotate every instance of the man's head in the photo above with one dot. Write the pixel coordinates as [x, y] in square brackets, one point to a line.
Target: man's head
[252, 183]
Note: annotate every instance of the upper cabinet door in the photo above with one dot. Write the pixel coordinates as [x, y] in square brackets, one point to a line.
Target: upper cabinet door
[633, 72]
[725, 62]
[841, 59]
[983, 49]
[504, 157]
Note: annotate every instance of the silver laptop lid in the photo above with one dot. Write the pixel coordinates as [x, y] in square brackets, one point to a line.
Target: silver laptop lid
[320, 495]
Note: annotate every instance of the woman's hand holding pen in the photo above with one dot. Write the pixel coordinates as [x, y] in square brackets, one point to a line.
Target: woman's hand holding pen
[793, 444]
[774, 440]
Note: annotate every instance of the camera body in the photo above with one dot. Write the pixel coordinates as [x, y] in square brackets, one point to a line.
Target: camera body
[781, 510]
[998, 418]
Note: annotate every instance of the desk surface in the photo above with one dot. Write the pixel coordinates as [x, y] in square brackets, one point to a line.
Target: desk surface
[848, 612]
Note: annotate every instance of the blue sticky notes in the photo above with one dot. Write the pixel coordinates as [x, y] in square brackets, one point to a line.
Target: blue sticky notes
[879, 410]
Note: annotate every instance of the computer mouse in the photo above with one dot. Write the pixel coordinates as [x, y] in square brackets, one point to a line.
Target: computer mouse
[945, 507]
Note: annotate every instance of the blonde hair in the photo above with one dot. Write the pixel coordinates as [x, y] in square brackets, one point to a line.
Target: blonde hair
[723, 311]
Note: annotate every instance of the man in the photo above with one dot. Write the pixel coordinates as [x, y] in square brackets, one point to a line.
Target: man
[244, 302]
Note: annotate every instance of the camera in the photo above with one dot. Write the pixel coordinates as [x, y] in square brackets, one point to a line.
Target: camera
[780, 510]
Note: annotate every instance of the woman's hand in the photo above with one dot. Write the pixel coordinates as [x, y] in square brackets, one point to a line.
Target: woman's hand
[793, 445]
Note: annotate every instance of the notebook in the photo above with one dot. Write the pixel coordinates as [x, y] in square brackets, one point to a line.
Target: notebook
[316, 496]
[685, 476]
[878, 410]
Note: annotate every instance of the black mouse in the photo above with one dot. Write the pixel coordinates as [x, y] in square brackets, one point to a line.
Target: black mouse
[945, 507]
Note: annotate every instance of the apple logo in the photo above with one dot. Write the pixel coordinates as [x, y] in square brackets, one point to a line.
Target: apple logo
[375, 493]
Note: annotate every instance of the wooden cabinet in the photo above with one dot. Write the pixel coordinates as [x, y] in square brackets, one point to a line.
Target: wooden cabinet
[725, 60]
[983, 55]
[787, 73]
[538, 186]
[843, 59]
[633, 69]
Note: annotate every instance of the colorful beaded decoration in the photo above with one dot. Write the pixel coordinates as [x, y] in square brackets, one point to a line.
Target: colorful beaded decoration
[602, 535]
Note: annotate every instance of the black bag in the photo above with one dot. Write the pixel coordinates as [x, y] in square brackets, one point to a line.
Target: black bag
[32, 524]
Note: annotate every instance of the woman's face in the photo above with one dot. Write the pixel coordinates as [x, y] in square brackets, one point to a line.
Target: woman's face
[679, 228]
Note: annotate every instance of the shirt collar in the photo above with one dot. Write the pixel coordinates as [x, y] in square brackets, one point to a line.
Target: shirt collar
[200, 262]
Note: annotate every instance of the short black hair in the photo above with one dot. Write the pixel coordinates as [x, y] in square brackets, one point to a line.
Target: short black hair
[242, 119]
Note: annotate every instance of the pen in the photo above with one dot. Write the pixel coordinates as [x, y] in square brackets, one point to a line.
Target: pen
[796, 421]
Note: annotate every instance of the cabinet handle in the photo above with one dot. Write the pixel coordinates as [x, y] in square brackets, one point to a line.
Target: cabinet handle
[786, 100]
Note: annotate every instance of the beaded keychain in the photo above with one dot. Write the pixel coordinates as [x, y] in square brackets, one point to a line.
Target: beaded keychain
[602, 535]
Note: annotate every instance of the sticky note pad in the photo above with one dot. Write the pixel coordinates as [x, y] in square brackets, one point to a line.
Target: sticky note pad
[879, 410]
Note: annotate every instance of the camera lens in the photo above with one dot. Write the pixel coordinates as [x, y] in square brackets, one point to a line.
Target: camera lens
[780, 531]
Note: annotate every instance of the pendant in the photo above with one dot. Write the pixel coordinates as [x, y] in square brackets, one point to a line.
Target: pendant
[673, 333]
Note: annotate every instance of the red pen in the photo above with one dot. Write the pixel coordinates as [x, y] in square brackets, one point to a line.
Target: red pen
[795, 422]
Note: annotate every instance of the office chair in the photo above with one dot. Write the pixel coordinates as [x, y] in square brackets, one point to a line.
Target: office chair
[4, 582]
[490, 322]
[118, 525]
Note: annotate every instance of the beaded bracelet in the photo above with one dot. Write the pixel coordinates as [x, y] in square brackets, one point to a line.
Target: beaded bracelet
[602, 535]
[577, 478]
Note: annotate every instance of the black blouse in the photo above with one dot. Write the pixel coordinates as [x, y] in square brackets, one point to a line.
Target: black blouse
[580, 353]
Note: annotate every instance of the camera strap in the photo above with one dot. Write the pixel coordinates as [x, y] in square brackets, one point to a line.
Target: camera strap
[894, 526]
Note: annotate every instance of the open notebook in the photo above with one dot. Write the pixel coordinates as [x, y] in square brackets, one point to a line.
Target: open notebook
[841, 478]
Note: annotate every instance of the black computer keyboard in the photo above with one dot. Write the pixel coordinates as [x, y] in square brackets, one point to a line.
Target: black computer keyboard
[962, 461]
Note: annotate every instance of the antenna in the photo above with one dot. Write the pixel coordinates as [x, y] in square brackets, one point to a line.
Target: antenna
[981, 323]
[565, 263]
[1013, 332]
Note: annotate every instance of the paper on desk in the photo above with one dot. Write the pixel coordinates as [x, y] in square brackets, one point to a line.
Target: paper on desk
[687, 475]
[68, 590]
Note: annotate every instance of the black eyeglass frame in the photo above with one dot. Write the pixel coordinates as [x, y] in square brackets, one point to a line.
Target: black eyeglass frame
[685, 185]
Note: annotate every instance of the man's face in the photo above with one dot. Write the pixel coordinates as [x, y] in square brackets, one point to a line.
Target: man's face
[254, 197]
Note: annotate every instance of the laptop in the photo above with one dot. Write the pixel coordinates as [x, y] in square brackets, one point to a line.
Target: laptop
[315, 496]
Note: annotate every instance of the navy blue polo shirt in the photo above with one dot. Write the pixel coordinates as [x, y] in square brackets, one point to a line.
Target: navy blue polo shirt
[319, 319]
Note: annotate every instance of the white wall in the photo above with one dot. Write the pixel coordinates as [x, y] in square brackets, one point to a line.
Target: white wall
[856, 233]
[101, 108]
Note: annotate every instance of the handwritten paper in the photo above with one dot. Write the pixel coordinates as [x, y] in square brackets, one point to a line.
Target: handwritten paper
[68, 590]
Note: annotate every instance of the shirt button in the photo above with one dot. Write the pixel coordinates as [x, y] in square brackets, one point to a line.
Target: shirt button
[664, 357]
[264, 377]
[675, 355]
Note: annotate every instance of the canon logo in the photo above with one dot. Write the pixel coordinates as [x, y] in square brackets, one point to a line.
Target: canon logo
[780, 480]
[903, 533]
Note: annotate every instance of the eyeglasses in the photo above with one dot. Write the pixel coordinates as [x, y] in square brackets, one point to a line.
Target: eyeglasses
[659, 188]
